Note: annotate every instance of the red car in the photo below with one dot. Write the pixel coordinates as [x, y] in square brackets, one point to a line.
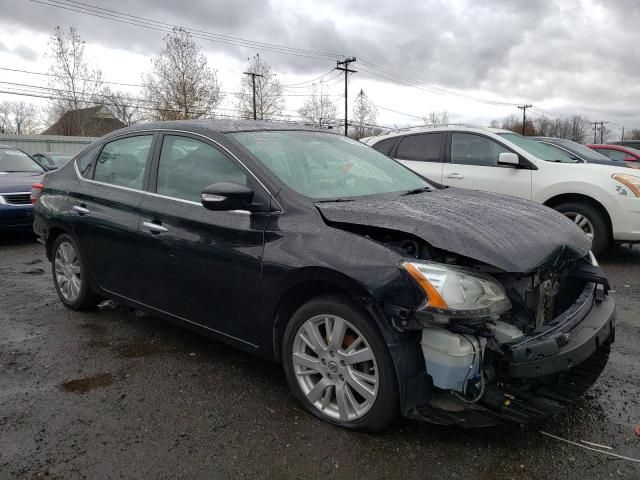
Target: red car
[618, 152]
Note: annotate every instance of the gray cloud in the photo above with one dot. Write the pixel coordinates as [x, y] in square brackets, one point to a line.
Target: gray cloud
[562, 51]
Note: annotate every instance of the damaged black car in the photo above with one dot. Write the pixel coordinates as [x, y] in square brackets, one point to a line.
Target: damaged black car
[380, 292]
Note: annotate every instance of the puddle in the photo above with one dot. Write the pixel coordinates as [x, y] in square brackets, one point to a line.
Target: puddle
[84, 385]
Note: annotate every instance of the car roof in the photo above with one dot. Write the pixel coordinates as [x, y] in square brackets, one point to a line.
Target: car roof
[457, 127]
[215, 126]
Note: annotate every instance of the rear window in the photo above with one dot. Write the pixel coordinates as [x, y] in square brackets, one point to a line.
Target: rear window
[385, 146]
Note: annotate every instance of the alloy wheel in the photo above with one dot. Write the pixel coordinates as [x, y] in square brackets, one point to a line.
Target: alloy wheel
[335, 367]
[67, 271]
[581, 221]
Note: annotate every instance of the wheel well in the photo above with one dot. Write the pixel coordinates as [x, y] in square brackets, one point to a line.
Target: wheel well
[577, 197]
[293, 299]
[54, 233]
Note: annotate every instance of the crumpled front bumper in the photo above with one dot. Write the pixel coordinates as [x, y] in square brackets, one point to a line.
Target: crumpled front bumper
[568, 341]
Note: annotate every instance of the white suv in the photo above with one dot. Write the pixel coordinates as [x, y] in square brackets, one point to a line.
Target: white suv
[604, 200]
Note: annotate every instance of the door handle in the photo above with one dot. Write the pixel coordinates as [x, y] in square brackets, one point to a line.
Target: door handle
[81, 210]
[458, 176]
[154, 227]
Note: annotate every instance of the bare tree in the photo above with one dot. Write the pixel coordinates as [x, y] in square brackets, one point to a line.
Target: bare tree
[495, 123]
[364, 116]
[269, 98]
[124, 107]
[19, 118]
[318, 110]
[76, 84]
[633, 134]
[181, 85]
[437, 118]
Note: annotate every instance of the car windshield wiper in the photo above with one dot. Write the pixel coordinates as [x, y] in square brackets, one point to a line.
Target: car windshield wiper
[417, 190]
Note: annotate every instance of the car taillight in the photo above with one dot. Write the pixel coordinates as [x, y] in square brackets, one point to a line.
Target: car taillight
[36, 189]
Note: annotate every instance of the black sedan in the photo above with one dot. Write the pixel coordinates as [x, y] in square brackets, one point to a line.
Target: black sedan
[381, 293]
[575, 150]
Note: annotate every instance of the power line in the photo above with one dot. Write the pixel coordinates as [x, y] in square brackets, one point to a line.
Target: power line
[144, 22]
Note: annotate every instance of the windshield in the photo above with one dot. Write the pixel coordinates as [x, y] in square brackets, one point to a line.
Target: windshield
[581, 150]
[328, 166]
[539, 150]
[12, 160]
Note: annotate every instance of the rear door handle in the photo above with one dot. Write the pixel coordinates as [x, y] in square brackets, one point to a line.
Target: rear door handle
[459, 176]
[81, 210]
[154, 227]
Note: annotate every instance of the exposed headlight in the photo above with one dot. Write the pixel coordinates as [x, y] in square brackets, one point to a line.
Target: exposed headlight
[630, 181]
[456, 292]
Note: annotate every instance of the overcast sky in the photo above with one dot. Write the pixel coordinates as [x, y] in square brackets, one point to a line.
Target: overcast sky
[563, 56]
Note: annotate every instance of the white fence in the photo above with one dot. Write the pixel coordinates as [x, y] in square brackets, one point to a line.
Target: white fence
[46, 143]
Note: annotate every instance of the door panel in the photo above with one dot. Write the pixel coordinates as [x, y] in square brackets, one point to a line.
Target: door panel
[474, 164]
[105, 213]
[200, 265]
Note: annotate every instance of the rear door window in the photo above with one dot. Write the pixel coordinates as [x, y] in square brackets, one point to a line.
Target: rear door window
[122, 162]
[385, 146]
[425, 147]
[86, 161]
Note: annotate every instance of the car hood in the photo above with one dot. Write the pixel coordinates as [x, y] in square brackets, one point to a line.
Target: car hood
[18, 181]
[510, 233]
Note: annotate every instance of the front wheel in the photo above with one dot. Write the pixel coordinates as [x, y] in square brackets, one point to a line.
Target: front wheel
[338, 366]
[591, 221]
[70, 275]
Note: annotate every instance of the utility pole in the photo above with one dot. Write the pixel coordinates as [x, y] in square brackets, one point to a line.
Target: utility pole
[524, 115]
[253, 82]
[595, 131]
[344, 66]
[602, 132]
[622, 139]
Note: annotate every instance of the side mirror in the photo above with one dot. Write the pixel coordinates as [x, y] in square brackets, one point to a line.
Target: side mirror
[508, 158]
[50, 167]
[226, 196]
[630, 159]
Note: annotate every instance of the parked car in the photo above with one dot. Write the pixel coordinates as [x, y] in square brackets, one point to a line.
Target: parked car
[617, 153]
[380, 292]
[575, 150]
[18, 171]
[602, 199]
[52, 160]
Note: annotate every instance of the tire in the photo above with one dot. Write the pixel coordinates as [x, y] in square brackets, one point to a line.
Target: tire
[599, 225]
[66, 262]
[347, 397]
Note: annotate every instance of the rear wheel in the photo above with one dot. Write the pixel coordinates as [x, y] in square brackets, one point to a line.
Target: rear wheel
[590, 220]
[338, 365]
[70, 275]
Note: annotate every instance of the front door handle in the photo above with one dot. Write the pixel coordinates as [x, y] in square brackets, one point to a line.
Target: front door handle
[81, 210]
[458, 176]
[154, 227]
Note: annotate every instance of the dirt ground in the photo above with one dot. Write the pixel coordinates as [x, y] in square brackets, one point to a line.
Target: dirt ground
[113, 393]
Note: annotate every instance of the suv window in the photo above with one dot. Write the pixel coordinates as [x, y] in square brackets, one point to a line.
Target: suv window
[122, 162]
[469, 149]
[85, 162]
[424, 147]
[385, 146]
[188, 165]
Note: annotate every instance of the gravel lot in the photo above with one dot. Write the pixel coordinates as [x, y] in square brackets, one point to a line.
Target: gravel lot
[116, 394]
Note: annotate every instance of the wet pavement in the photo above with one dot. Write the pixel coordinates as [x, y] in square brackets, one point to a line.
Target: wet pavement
[113, 393]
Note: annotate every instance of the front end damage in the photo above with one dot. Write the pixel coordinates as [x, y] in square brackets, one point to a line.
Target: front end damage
[524, 347]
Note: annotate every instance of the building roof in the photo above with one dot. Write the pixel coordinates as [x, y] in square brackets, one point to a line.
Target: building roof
[91, 122]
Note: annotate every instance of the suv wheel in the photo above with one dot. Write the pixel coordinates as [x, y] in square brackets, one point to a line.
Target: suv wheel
[70, 275]
[590, 220]
[338, 365]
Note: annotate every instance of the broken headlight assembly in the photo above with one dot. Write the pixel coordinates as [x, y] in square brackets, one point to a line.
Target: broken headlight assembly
[457, 292]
